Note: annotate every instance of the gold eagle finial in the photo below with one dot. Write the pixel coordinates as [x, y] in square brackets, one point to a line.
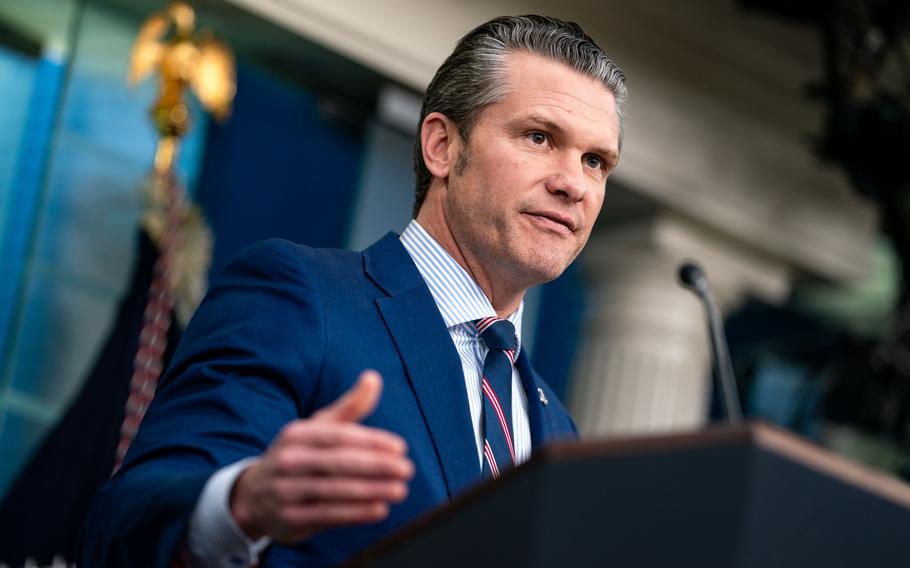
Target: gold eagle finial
[167, 43]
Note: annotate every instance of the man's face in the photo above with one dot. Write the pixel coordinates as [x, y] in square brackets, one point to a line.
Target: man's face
[530, 182]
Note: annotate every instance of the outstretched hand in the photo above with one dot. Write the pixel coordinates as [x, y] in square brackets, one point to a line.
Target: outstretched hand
[324, 471]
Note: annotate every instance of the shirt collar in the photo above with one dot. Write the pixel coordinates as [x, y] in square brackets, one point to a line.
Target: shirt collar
[459, 299]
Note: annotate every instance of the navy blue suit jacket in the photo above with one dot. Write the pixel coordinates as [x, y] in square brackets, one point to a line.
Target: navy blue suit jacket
[284, 331]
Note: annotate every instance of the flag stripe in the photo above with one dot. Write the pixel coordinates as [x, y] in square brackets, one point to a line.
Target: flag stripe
[494, 401]
[491, 460]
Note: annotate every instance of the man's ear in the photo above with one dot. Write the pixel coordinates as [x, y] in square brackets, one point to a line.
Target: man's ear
[440, 143]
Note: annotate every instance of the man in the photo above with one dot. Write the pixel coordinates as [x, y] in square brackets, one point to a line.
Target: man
[263, 445]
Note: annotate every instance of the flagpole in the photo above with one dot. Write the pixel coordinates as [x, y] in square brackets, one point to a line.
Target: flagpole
[186, 60]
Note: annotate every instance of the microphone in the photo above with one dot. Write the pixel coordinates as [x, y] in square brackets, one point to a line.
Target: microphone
[693, 278]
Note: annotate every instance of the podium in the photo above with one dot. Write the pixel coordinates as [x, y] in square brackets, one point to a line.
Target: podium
[745, 496]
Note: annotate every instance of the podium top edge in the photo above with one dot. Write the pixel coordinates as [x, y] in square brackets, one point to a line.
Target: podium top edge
[755, 433]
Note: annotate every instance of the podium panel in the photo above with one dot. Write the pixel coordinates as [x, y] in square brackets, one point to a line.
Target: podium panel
[746, 497]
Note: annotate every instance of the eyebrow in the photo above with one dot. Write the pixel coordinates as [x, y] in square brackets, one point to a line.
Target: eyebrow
[609, 155]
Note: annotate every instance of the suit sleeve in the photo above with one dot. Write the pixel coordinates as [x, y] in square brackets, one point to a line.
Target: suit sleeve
[248, 363]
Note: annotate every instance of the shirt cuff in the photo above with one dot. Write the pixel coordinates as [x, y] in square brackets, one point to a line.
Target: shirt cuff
[214, 539]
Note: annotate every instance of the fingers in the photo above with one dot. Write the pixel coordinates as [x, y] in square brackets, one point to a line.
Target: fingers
[325, 471]
[342, 461]
[291, 509]
[330, 434]
[340, 490]
[357, 403]
[306, 447]
[339, 485]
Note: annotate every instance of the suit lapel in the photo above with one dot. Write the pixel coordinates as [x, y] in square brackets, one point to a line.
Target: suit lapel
[540, 417]
[432, 363]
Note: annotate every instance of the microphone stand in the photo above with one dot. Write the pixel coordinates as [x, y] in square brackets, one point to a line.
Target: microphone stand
[693, 278]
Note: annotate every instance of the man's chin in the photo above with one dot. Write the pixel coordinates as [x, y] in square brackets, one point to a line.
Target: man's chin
[541, 270]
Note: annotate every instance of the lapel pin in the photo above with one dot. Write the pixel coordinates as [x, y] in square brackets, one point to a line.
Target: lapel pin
[543, 397]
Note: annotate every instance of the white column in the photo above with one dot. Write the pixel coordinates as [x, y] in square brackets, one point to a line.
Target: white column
[644, 363]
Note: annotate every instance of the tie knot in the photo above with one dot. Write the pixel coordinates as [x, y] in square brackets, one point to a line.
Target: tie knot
[497, 333]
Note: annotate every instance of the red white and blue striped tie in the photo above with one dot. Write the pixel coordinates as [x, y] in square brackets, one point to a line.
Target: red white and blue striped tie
[498, 448]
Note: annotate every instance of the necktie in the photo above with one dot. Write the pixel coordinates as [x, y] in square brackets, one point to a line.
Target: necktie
[498, 449]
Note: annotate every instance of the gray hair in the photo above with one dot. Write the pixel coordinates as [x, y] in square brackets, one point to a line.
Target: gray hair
[472, 76]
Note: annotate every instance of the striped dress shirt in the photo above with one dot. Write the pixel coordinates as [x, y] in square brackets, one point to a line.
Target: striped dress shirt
[461, 301]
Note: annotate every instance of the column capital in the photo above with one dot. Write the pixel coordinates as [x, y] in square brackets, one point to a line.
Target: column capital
[664, 240]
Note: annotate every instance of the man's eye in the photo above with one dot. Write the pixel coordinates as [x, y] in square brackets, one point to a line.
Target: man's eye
[593, 161]
[538, 138]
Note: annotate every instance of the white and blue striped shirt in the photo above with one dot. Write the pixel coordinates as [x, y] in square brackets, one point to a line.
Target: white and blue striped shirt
[461, 301]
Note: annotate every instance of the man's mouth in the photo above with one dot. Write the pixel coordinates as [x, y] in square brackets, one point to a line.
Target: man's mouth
[557, 222]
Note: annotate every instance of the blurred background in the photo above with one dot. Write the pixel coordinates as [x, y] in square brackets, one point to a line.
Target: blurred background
[766, 139]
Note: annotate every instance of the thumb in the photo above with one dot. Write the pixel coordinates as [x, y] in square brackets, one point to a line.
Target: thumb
[357, 403]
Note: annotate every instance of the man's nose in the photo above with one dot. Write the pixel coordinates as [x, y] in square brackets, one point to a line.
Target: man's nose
[568, 178]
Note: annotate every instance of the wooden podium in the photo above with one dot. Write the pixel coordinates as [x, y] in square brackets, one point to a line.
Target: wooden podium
[749, 496]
